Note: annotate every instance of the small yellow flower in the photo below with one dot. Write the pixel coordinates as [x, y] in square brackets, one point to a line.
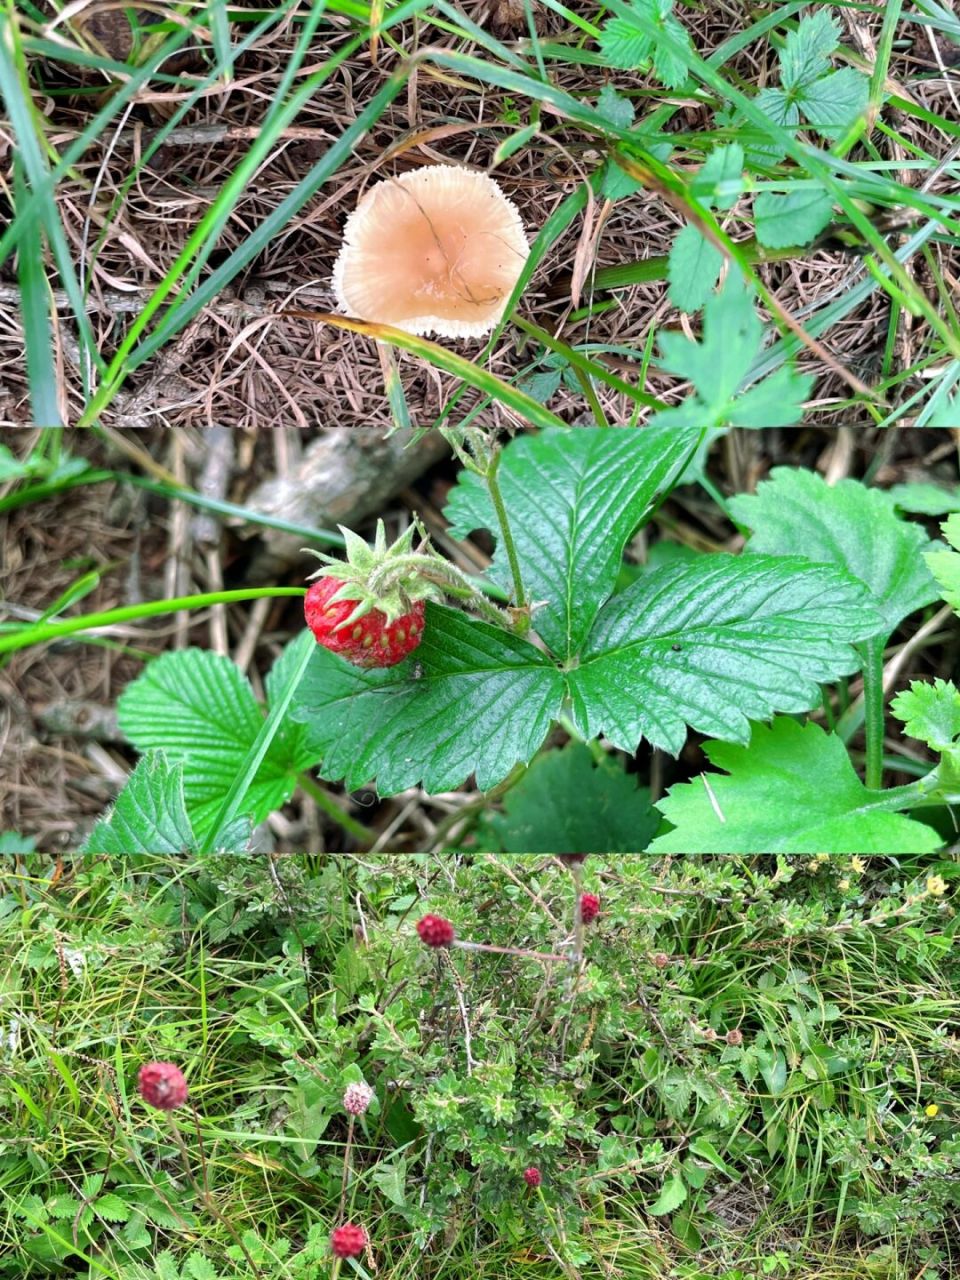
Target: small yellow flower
[931, 1111]
[857, 865]
[936, 886]
[843, 885]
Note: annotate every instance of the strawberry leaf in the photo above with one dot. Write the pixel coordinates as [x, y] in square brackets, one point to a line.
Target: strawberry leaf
[806, 51]
[945, 565]
[794, 218]
[833, 103]
[149, 816]
[693, 269]
[714, 645]
[472, 699]
[847, 525]
[587, 492]
[792, 790]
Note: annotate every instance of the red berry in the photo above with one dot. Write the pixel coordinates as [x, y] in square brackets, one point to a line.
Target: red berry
[162, 1084]
[589, 907]
[435, 931]
[532, 1177]
[348, 1241]
[370, 641]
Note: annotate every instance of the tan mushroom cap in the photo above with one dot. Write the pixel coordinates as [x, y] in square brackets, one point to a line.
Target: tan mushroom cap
[437, 250]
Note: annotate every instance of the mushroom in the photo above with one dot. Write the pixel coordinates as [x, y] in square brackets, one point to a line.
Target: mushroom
[437, 250]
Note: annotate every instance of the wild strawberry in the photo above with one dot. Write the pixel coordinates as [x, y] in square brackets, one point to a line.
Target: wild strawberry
[532, 1176]
[348, 1241]
[435, 931]
[356, 1098]
[661, 959]
[734, 1037]
[369, 640]
[163, 1085]
[589, 907]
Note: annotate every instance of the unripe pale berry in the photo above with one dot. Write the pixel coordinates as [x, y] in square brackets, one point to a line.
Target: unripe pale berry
[734, 1037]
[163, 1085]
[356, 1098]
[435, 931]
[348, 1241]
[589, 907]
[661, 960]
[532, 1176]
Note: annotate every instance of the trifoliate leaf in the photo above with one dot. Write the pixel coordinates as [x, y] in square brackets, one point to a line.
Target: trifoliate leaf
[847, 525]
[806, 52]
[945, 565]
[833, 103]
[625, 42]
[718, 365]
[714, 645]
[792, 790]
[471, 700]
[619, 111]
[587, 492]
[781, 109]
[719, 183]
[568, 800]
[794, 218]
[149, 816]
[693, 269]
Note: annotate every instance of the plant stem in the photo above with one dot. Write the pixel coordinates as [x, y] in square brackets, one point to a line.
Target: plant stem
[873, 710]
[69, 626]
[363, 835]
[493, 484]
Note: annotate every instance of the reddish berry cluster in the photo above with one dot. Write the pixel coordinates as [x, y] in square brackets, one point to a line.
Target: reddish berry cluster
[370, 640]
[435, 931]
[589, 907]
[532, 1176]
[163, 1085]
[348, 1241]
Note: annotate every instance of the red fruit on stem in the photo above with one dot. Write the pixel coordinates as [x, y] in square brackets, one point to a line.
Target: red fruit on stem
[589, 907]
[532, 1176]
[435, 931]
[163, 1085]
[348, 1241]
[369, 640]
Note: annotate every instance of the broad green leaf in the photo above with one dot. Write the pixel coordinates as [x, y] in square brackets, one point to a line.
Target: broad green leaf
[718, 366]
[391, 1178]
[568, 800]
[847, 525]
[619, 111]
[833, 103]
[806, 52]
[693, 269]
[705, 1150]
[925, 498]
[792, 790]
[586, 493]
[720, 181]
[671, 1197]
[471, 699]
[149, 816]
[773, 1068]
[780, 108]
[945, 565]
[715, 645]
[794, 218]
[198, 707]
[625, 45]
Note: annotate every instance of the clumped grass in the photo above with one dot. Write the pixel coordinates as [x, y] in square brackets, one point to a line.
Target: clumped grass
[182, 178]
[754, 1071]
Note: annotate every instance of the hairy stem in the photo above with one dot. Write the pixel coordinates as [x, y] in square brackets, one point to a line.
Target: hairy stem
[873, 710]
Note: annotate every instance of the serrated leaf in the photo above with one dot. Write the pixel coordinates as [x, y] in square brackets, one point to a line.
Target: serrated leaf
[930, 712]
[295, 745]
[149, 816]
[64, 1206]
[473, 699]
[693, 269]
[165, 1265]
[199, 1267]
[776, 401]
[720, 181]
[848, 525]
[587, 492]
[112, 1208]
[925, 498]
[197, 707]
[619, 111]
[832, 104]
[714, 645]
[718, 365]
[792, 790]
[569, 801]
[670, 1198]
[806, 52]
[794, 218]
[945, 565]
[781, 109]
[625, 44]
